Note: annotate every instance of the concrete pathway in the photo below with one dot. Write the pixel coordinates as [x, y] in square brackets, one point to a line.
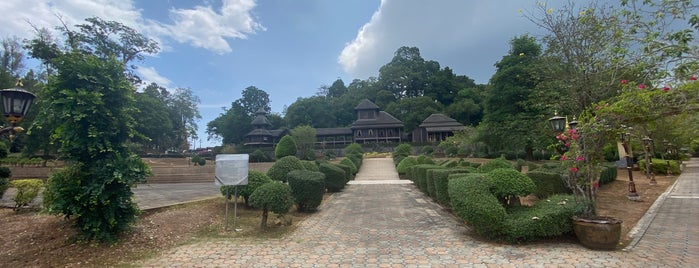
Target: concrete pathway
[392, 224]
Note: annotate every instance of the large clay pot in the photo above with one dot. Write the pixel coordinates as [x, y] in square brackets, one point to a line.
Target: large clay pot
[599, 233]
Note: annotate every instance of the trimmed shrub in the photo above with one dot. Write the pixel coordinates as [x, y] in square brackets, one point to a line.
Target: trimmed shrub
[406, 163]
[423, 159]
[546, 218]
[347, 170]
[420, 173]
[401, 151]
[309, 165]
[26, 191]
[354, 149]
[285, 147]
[334, 177]
[472, 201]
[198, 160]
[507, 184]
[449, 163]
[519, 164]
[283, 166]
[259, 156]
[255, 180]
[350, 164]
[273, 196]
[307, 188]
[5, 172]
[440, 179]
[495, 164]
[356, 160]
[463, 163]
[659, 166]
[608, 174]
[547, 183]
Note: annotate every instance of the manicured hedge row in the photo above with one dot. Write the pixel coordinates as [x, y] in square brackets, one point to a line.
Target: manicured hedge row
[547, 183]
[307, 187]
[495, 164]
[440, 178]
[472, 201]
[405, 164]
[547, 218]
[608, 174]
[659, 166]
[334, 177]
[418, 174]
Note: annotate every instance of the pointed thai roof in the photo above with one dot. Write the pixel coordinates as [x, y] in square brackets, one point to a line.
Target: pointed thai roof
[260, 132]
[261, 111]
[441, 122]
[383, 119]
[366, 104]
[261, 118]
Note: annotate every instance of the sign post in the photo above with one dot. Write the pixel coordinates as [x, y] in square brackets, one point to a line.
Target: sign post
[231, 170]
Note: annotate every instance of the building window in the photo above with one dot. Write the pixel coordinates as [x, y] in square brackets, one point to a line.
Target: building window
[359, 133]
[371, 132]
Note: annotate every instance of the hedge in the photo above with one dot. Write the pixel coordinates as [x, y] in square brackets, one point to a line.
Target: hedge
[255, 180]
[401, 151]
[659, 166]
[334, 177]
[608, 174]
[351, 165]
[546, 218]
[419, 175]
[440, 179]
[495, 164]
[547, 183]
[507, 183]
[309, 165]
[347, 170]
[472, 201]
[283, 166]
[307, 187]
[405, 164]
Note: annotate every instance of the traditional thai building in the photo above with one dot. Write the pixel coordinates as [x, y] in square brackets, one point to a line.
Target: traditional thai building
[436, 128]
[374, 125]
[261, 135]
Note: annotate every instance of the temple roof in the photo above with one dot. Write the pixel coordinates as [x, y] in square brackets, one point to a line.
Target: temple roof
[366, 104]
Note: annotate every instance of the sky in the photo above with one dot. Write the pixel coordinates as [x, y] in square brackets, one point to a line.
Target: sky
[288, 48]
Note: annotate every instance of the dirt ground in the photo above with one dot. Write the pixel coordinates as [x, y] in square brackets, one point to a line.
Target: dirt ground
[33, 239]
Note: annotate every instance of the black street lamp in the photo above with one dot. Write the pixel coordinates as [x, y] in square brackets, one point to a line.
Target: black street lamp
[625, 141]
[558, 123]
[15, 103]
[648, 144]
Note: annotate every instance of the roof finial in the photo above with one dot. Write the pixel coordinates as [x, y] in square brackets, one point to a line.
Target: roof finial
[19, 83]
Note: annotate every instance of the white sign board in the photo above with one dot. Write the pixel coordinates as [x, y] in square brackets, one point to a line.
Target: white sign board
[231, 169]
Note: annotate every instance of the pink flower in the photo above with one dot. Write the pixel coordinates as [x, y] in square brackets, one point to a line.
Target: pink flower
[642, 86]
[693, 78]
[579, 158]
[595, 185]
[574, 169]
[623, 81]
[666, 88]
[598, 107]
[567, 144]
[571, 131]
[563, 158]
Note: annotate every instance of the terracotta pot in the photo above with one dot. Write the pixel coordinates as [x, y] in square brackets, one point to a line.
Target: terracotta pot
[598, 233]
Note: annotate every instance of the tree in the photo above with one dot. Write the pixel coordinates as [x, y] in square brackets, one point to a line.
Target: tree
[154, 124]
[232, 125]
[305, 137]
[407, 74]
[92, 103]
[275, 197]
[413, 110]
[184, 114]
[286, 147]
[313, 111]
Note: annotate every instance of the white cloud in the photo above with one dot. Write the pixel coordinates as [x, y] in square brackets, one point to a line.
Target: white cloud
[150, 75]
[204, 27]
[468, 36]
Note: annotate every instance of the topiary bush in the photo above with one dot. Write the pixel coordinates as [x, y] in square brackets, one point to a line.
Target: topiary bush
[356, 160]
[334, 177]
[259, 156]
[283, 166]
[420, 174]
[546, 218]
[472, 201]
[350, 164]
[423, 159]
[309, 165]
[507, 184]
[347, 170]
[401, 151]
[547, 183]
[285, 147]
[307, 187]
[275, 197]
[608, 174]
[659, 166]
[495, 164]
[255, 180]
[406, 163]
[354, 149]
[26, 191]
[440, 179]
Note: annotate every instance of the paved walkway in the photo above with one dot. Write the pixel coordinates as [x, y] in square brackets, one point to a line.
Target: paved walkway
[392, 224]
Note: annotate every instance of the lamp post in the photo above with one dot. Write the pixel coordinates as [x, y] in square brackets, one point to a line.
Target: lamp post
[648, 144]
[625, 141]
[15, 103]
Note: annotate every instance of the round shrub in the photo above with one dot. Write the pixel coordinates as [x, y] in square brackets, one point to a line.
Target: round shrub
[354, 149]
[255, 180]
[547, 183]
[495, 164]
[350, 164]
[472, 201]
[423, 159]
[334, 177]
[507, 183]
[259, 156]
[403, 149]
[285, 147]
[404, 164]
[283, 166]
[309, 165]
[307, 188]
[356, 160]
[347, 170]
[273, 196]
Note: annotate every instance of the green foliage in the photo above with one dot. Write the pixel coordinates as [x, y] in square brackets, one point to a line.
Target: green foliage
[283, 166]
[259, 156]
[507, 183]
[350, 164]
[334, 177]
[198, 160]
[401, 151]
[406, 163]
[26, 191]
[347, 170]
[608, 174]
[354, 149]
[285, 147]
[423, 159]
[5, 174]
[356, 160]
[547, 183]
[273, 196]
[519, 164]
[309, 165]
[307, 188]
[419, 173]
[659, 166]
[3, 150]
[546, 218]
[495, 164]
[472, 201]
[440, 178]
[255, 180]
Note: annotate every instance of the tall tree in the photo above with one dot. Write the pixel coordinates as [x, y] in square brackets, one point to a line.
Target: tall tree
[313, 111]
[232, 125]
[184, 115]
[413, 110]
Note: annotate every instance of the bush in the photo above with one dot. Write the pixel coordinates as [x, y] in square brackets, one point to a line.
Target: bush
[547, 183]
[401, 151]
[423, 159]
[546, 218]
[356, 160]
[307, 187]
[350, 164]
[285, 147]
[472, 201]
[347, 170]
[255, 180]
[309, 165]
[5, 172]
[507, 184]
[519, 164]
[259, 156]
[275, 197]
[420, 175]
[440, 179]
[334, 177]
[427, 150]
[283, 166]
[495, 164]
[27, 191]
[659, 166]
[198, 160]
[406, 163]
[608, 174]
[354, 149]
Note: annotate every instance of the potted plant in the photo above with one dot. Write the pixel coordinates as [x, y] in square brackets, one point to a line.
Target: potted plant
[582, 168]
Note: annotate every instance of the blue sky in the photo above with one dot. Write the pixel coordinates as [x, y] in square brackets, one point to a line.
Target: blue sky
[289, 48]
